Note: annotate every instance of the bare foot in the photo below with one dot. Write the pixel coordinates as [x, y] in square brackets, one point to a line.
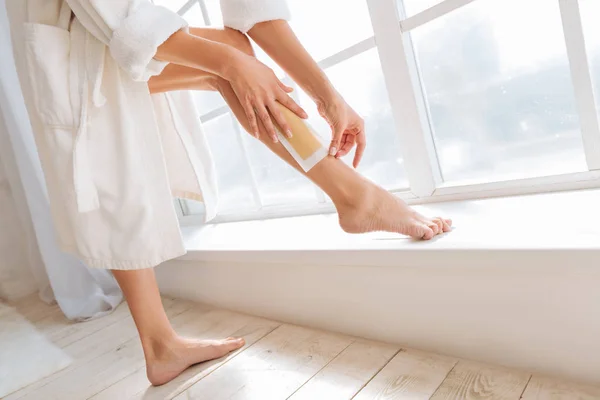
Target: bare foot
[171, 360]
[379, 210]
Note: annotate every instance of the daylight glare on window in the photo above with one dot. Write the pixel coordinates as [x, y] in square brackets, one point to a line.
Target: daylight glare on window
[454, 95]
[498, 86]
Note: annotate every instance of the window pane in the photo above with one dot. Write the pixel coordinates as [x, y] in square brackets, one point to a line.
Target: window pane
[278, 183]
[327, 26]
[214, 12]
[501, 101]
[173, 5]
[207, 101]
[412, 7]
[194, 16]
[235, 187]
[360, 81]
[590, 9]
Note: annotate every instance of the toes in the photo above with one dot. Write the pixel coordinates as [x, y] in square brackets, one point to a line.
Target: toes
[434, 227]
[420, 231]
[447, 225]
[234, 343]
[428, 228]
[443, 223]
[426, 232]
[440, 224]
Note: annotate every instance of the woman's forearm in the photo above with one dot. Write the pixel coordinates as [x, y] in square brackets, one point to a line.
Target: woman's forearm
[192, 51]
[278, 40]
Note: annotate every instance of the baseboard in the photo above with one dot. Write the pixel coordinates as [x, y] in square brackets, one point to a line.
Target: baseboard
[536, 311]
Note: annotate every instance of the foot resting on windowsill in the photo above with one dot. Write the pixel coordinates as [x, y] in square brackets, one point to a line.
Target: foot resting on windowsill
[379, 210]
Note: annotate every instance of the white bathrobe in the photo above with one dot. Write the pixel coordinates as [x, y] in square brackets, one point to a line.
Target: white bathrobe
[113, 155]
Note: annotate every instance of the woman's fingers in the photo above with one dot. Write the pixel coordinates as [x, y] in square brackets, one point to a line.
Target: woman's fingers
[361, 143]
[265, 117]
[288, 102]
[348, 143]
[285, 87]
[346, 146]
[267, 109]
[251, 115]
[280, 119]
[337, 133]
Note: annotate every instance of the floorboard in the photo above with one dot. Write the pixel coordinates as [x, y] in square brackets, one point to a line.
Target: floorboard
[218, 324]
[475, 381]
[348, 373]
[100, 343]
[273, 368]
[279, 361]
[543, 388]
[411, 375]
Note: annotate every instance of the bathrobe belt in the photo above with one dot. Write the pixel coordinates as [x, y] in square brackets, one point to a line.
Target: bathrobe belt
[86, 70]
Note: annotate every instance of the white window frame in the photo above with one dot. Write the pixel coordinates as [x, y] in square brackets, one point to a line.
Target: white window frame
[391, 29]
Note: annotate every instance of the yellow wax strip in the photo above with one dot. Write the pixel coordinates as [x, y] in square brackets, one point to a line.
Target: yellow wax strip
[303, 139]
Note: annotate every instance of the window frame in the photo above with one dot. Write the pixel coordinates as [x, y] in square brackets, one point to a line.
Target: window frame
[391, 37]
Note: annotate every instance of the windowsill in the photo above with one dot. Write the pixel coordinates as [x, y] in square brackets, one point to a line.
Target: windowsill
[567, 221]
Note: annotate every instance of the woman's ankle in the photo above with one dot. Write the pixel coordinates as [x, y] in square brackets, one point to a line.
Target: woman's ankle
[355, 198]
[343, 184]
[156, 345]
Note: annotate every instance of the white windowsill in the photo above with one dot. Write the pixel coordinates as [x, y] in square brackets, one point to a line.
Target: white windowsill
[567, 221]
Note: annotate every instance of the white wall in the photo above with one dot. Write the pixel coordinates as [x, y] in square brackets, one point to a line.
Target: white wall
[16, 279]
[537, 311]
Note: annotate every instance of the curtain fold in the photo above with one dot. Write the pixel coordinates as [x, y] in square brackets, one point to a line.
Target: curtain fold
[81, 292]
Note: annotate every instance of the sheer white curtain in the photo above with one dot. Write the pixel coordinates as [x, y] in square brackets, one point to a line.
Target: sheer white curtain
[81, 292]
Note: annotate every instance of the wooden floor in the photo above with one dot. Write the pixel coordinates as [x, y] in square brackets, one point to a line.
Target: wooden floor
[279, 361]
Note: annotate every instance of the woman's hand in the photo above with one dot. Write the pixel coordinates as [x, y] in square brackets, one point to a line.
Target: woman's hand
[257, 88]
[347, 128]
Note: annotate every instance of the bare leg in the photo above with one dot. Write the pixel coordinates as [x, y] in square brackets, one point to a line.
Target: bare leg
[166, 353]
[362, 206]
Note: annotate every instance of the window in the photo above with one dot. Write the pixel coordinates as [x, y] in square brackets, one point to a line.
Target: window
[461, 99]
[500, 96]
[590, 9]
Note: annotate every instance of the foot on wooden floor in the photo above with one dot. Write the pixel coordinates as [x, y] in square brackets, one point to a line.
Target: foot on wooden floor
[174, 358]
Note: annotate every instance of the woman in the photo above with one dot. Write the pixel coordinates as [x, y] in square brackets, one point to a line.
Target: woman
[116, 136]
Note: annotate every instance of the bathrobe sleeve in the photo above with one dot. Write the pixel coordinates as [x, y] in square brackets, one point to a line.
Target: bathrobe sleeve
[132, 30]
[242, 15]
